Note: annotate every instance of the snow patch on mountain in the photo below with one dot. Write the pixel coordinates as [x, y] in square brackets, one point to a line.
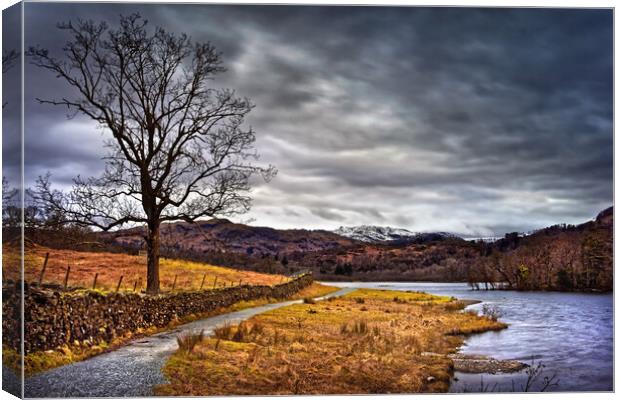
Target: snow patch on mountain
[376, 234]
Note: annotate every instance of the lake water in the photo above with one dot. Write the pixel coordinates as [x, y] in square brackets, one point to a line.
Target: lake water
[570, 333]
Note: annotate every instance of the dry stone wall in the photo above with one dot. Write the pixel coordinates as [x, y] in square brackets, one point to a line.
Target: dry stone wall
[53, 319]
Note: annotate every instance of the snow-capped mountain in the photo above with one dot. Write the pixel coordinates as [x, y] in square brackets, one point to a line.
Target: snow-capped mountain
[485, 239]
[377, 234]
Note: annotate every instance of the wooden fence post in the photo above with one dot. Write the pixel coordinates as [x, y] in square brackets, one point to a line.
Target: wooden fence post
[120, 280]
[135, 285]
[203, 281]
[174, 283]
[95, 280]
[67, 276]
[215, 282]
[43, 270]
[239, 282]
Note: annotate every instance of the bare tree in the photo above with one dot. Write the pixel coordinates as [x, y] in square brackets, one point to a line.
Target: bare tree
[11, 213]
[178, 149]
[9, 59]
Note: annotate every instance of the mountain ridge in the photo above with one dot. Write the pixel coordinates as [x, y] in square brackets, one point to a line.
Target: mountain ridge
[388, 234]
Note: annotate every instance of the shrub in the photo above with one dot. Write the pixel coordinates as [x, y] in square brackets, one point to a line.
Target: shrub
[357, 328]
[188, 341]
[454, 305]
[223, 332]
[241, 333]
[360, 327]
[492, 311]
[309, 300]
[359, 300]
[257, 329]
[278, 337]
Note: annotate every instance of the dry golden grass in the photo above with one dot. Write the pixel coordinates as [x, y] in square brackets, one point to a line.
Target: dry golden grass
[315, 290]
[365, 342]
[111, 266]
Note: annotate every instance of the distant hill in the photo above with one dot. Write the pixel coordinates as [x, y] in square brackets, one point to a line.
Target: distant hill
[221, 235]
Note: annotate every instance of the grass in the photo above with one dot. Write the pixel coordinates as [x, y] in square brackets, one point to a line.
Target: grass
[315, 290]
[365, 342]
[111, 266]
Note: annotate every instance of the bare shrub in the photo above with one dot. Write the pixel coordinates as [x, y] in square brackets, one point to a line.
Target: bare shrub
[241, 333]
[492, 311]
[534, 372]
[223, 332]
[309, 300]
[454, 306]
[360, 327]
[188, 341]
[257, 329]
[278, 337]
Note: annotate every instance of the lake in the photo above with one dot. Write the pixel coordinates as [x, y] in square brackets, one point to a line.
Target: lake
[570, 333]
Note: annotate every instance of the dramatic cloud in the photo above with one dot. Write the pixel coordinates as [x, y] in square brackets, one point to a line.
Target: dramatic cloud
[475, 121]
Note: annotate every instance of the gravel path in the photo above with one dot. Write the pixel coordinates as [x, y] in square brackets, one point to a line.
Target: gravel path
[134, 369]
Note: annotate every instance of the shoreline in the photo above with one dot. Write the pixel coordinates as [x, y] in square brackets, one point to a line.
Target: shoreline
[423, 282]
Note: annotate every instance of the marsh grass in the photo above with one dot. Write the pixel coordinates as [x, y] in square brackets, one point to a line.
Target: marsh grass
[188, 341]
[337, 350]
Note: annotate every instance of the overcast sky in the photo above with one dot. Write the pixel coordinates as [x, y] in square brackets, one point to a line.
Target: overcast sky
[473, 121]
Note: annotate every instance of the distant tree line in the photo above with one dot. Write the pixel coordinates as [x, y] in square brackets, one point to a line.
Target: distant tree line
[558, 258]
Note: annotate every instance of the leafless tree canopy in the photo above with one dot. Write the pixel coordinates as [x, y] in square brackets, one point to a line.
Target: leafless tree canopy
[9, 59]
[178, 148]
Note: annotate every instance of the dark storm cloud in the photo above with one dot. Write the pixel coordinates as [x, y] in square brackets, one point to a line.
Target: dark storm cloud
[475, 121]
[11, 99]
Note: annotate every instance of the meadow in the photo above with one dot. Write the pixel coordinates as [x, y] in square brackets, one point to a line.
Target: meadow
[368, 341]
[109, 267]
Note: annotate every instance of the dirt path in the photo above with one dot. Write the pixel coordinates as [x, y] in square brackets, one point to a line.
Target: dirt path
[134, 369]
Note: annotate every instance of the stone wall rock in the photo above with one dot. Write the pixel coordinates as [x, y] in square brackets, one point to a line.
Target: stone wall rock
[54, 319]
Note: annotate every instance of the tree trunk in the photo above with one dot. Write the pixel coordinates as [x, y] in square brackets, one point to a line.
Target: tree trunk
[152, 248]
